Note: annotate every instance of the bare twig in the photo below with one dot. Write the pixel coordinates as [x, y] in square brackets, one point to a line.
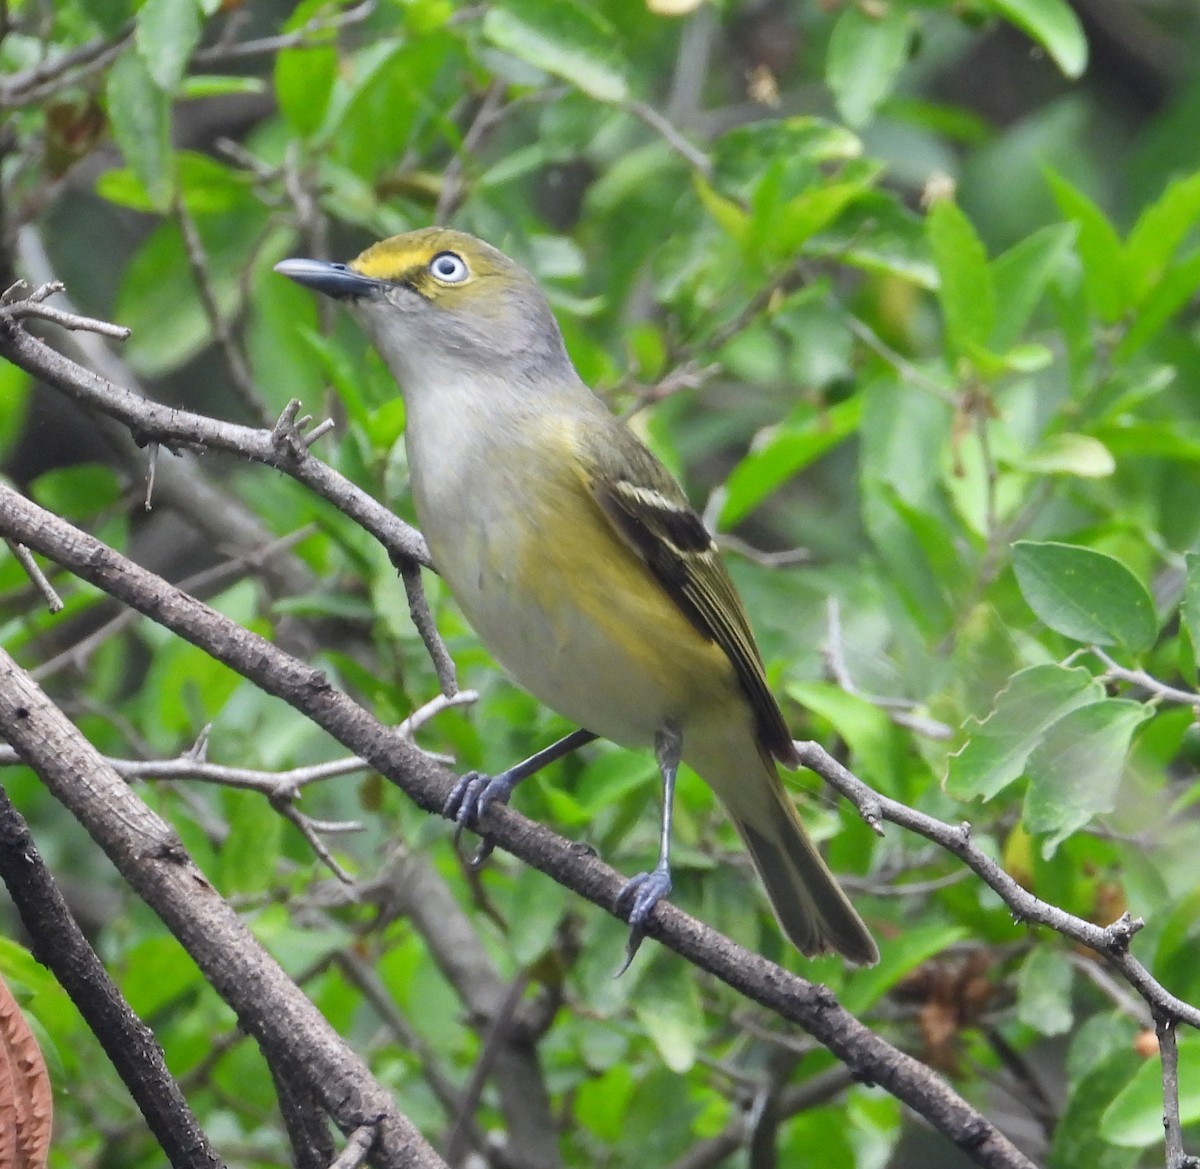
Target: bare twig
[489, 113]
[500, 1024]
[418, 607]
[1158, 691]
[811, 1006]
[1168, 1053]
[240, 377]
[364, 976]
[911, 373]
[34, 85]
[315, 32]
[31, 306]
[692, 155]
[357, 1149]
[201, 583]
[37, 577]
[152, 859]
[1111, 942]
[178, 428]
[901, 711]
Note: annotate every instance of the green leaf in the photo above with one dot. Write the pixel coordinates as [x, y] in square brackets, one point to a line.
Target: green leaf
[865, 55]
[784, 451]
[1105, 276]
[1159, 231]
[600, 1102]
[793, 223]
[534, 910]
[1071, 454]
[304, 77]
[563, 37]
[865, 727]
[1135, 1118]
[729, 217]
[668, 1008]
[1163, 301]
[1021, 276]
[1077, 1139]
[140, 115]
[156, 972]
[1189, 610]
[1085, 595]
[166, 34]
[250, 851]
[219, 85]
[370, 122]
[303, 85]
[78, 491]
[965, 288]
[1075, 770]
[1054, 26]
[205, 185]
[899, 956]
[1044, 992]
[1000, 745]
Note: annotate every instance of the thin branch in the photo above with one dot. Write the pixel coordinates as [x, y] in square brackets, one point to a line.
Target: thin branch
[34, 85]
[60, 945]
[1113, 672]
[902, 711]
[490, 112]
[31, 307]
[1111, 942]
[223, 519]
[151, 858]
[1168, 1054]
[282, 447]
[807, 1004]
[365, 978]
[240, 377]
[357, 1149]
[911, 373]
[200, 583]
[493, 1039]
[692, 155]
[1097, 974]
[422, 618]
[314, 33]
[36, 576]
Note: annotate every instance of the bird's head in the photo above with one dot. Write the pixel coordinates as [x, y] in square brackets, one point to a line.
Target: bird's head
[439, 303]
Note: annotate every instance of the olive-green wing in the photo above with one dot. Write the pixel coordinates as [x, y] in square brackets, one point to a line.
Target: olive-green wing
[650, 513]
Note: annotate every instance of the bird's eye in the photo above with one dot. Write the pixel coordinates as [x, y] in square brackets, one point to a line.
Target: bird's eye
[448, 267]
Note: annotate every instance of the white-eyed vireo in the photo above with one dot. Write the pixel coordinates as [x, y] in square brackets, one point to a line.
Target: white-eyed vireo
[577, 559]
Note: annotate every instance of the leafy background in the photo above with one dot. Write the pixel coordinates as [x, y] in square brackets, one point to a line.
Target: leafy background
[903, 291]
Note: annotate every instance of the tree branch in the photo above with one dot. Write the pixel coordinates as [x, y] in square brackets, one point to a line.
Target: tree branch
[292, 1033]
[811, 1006]
[59, 944]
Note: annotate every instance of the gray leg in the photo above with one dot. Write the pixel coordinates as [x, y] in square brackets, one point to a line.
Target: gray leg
[475, 793]
[643, 892]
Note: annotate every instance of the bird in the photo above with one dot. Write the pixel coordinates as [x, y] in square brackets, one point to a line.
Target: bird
[579, 562]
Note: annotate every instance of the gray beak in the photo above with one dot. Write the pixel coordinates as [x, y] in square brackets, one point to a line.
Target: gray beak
[336, 280]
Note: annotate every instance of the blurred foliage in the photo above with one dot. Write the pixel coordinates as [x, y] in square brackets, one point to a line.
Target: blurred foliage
[905, 285]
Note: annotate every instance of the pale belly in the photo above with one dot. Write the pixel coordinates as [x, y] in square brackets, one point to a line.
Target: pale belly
[578, 621]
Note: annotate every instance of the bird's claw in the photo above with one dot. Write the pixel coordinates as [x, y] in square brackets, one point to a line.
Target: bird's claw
[468, 800]
[636, 901]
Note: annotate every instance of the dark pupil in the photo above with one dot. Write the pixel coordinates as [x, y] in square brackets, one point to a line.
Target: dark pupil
[447, 266]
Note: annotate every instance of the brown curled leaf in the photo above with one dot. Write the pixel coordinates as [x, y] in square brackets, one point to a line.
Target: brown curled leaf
[26, 1103]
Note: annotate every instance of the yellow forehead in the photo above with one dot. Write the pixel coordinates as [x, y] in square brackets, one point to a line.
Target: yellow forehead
[404, 257]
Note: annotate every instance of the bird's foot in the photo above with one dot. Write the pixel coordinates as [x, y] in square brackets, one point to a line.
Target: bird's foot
[470, 798]
[636, 902]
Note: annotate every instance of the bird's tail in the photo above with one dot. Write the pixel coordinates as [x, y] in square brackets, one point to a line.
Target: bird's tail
[812, 910]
